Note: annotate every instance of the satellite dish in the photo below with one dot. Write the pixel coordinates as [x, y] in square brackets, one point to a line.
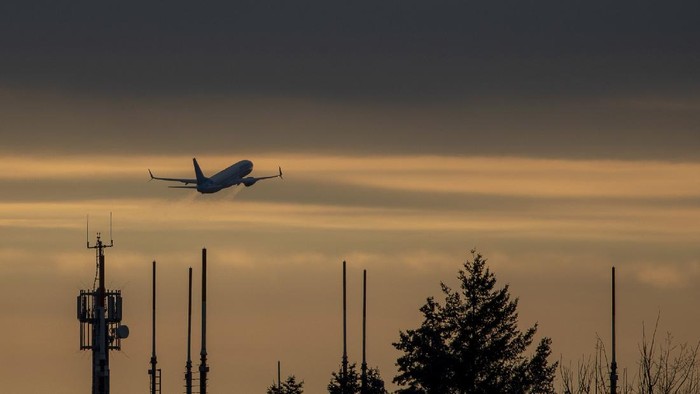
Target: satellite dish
[122, 332]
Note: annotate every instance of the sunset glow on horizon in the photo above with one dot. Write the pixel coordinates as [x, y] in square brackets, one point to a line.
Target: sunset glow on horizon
[556, 139]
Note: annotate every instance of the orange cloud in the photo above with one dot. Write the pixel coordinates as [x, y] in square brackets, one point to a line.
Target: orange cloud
[503, 176]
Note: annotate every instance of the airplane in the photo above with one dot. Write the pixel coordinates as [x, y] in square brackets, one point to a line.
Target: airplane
[231, 176]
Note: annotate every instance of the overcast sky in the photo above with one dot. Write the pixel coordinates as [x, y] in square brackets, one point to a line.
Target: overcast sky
[584, 79]
[558, 138]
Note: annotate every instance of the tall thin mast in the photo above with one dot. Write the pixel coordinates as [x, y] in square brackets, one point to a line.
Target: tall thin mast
[154, 359]
[363, 387]
[343, 383]
[188, 365]
[613, 364]
[203, 367]
[279, 378]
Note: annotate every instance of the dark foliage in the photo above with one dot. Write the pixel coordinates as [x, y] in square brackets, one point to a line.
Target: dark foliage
[290, 386]
[472, 344]
[375, 383]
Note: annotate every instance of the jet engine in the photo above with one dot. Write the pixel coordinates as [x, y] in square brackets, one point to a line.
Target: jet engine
[248, 181]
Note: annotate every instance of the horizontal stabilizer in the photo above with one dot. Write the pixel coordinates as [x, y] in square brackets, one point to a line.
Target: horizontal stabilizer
[182, 187]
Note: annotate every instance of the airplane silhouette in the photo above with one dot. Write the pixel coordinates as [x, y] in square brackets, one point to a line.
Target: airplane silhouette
[231, 176]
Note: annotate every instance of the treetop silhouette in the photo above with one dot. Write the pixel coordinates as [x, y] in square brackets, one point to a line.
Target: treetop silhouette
[472, 344]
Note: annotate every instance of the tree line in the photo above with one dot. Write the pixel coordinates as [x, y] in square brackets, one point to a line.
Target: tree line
[470, 343]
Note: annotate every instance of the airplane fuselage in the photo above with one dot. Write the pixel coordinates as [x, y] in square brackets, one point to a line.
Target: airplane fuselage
[231, 176]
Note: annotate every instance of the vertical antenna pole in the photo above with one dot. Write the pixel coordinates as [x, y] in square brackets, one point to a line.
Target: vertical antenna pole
[363, 387]
[101, 356]
[100, 346]
[203, 367]
[154, 309]
[154, 360]
[188, 365]
[343, 383]
[101, 273]
[279, 378]
[111, 240]
[613, 364]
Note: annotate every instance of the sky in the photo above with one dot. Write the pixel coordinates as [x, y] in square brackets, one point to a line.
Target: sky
[556, 138]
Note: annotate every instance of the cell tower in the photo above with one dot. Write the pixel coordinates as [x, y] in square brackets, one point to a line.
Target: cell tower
[100, 316]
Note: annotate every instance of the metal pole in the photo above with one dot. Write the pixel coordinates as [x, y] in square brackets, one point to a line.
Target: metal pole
[363, 388]
[100, 352]
[613, 364]
[343, 383]
[203, 367]
[279, 378]
[154, 360]
[96, 318]
[188, 365]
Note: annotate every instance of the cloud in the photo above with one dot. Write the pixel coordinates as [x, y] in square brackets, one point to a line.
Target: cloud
[37, 122]
[506, 176]
[339, 50]
[663, 276]
[530, 177]
[528, 198]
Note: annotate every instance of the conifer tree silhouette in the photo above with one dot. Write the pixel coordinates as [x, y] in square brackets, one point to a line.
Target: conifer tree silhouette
[472, 343]
[290, 386]
[375, 383]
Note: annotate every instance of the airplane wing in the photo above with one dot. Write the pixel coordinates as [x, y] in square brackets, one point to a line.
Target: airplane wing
[250, 181]
[271, 176]
[186, 181]
[182, 187]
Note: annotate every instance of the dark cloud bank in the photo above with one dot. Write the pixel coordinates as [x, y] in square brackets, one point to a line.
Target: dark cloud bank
[582, 79]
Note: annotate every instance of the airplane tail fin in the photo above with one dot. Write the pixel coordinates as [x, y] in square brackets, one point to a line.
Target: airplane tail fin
[198, 172]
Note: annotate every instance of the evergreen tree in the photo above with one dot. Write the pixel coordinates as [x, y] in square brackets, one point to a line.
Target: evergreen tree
[375, 383]
[352, 381]
[290, 386]
[472, 344]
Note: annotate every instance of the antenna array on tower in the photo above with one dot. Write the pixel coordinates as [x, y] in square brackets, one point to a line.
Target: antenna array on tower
[100, 314]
